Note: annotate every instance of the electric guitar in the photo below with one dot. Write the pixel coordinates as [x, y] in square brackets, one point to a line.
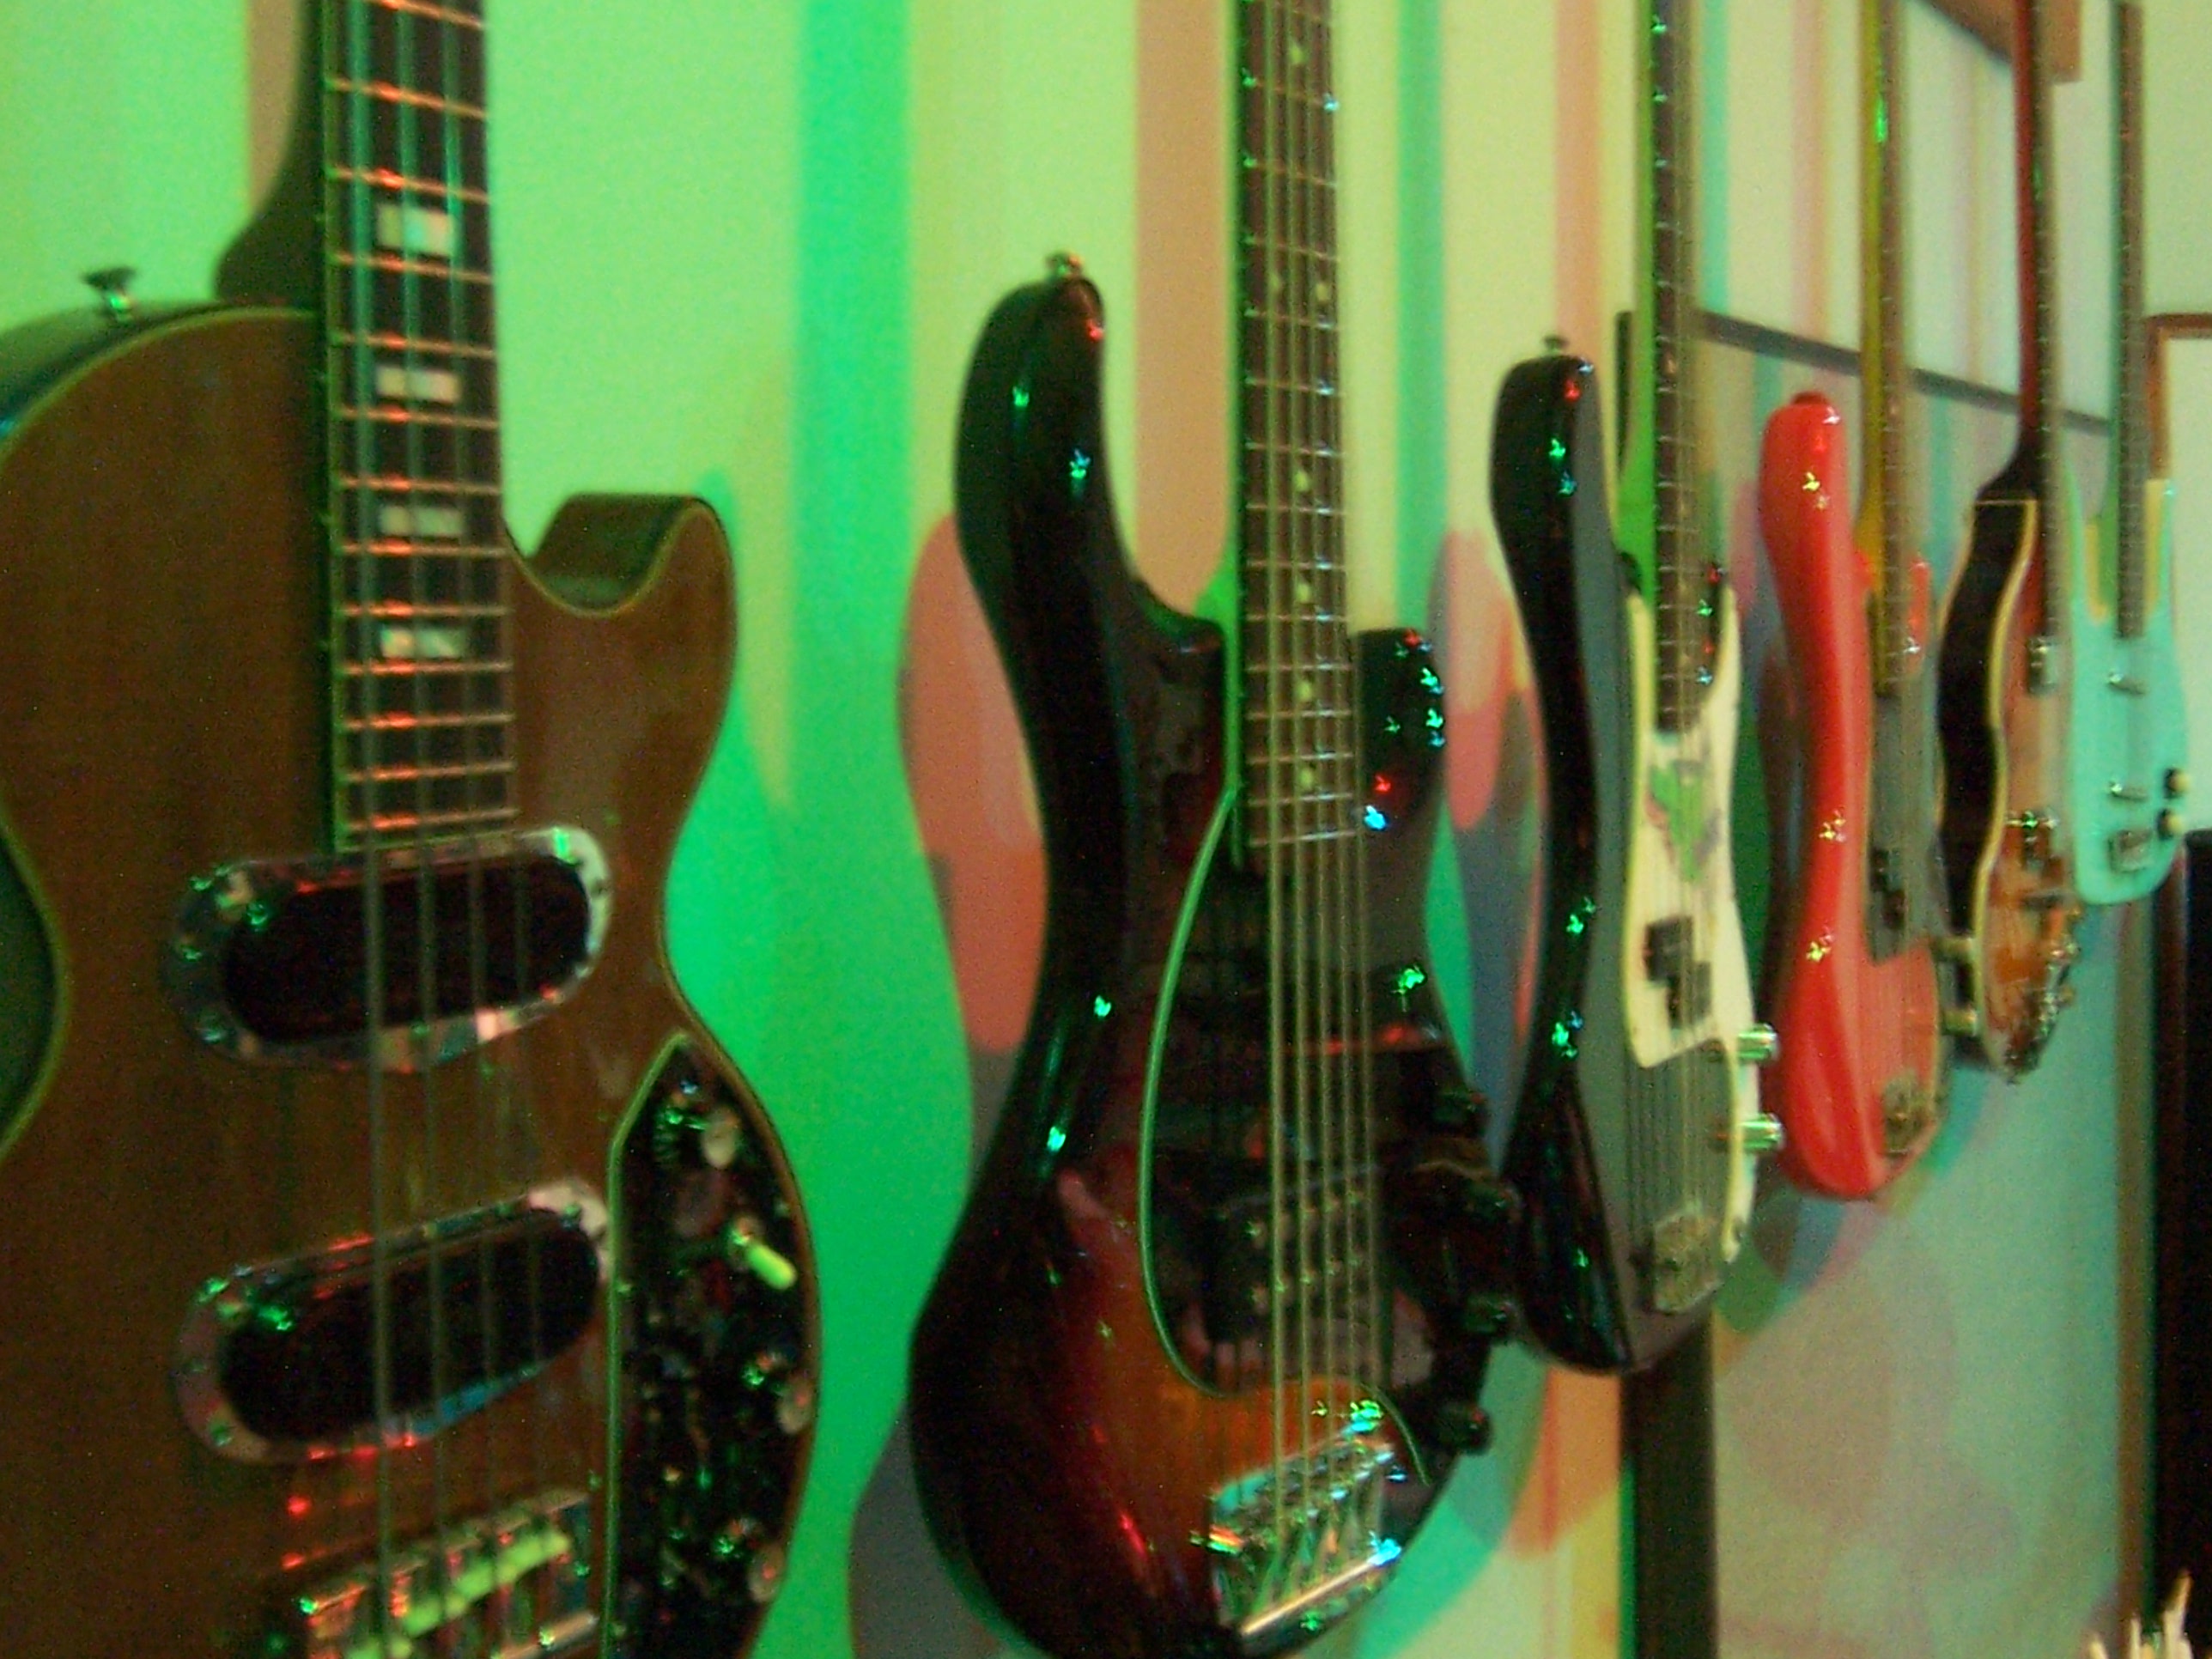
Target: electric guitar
[394, 1263]
[1859, 1083]
[1215, 1320]
[2008, 851]
[1636, 1142]
[2129, 751]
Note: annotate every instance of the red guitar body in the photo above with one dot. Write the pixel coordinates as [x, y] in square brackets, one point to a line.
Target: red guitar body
[1862, 1036]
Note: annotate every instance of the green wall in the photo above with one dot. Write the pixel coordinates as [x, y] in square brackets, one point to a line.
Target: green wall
[744, 247]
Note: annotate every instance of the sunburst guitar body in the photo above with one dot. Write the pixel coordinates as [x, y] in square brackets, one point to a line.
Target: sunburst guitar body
[1214, 1324]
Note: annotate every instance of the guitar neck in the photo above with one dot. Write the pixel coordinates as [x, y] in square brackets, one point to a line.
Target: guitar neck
[2131, 403]
[1684, 568]
[419, 642]
[2033, 186]
[1885, 369]
[1298, 672]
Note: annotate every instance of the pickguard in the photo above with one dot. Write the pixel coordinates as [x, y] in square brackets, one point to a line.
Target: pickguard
[1693, 992]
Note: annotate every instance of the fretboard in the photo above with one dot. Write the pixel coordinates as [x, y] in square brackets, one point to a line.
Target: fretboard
[2131, 408]
[1886, 371]
[1297, 703]
[1682, 563]
[420, 635]
[2038, 322]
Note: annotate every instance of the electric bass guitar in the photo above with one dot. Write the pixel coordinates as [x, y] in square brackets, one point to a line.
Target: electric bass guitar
[2009, 850]
[2129, 750]
[1215, 1320]
[1636, 1142]
[1859, 1083]
[395, 1265]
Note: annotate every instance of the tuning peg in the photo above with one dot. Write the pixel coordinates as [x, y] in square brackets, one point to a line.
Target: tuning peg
[112, 284]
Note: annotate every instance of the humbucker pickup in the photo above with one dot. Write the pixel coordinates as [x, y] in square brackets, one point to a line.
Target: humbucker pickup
[275, 1362]
[270, 960]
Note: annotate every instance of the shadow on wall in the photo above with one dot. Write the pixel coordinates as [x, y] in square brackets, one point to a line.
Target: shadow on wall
[968, 777]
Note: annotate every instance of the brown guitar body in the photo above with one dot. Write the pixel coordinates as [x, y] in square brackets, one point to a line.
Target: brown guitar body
[2007, 856]
[163, 707]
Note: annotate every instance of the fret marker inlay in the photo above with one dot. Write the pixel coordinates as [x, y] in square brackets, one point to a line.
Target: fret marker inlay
[415, 230]
[423, 385]
[424, 519]
[397, 643]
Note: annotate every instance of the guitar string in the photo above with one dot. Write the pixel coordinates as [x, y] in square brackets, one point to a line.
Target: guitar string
[1355, 972]
[1299, 305]
[1345, 1184]
[360, 512]
[397, 28]
[1258, 263]
[1311, 814]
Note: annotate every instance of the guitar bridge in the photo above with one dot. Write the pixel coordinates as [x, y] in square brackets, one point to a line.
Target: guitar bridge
[1684, 1264]
[513, 1585]
[1296, 1548]
[1907, 1111]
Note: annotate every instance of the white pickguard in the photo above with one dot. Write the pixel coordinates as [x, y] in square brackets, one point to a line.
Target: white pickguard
[1698, 883]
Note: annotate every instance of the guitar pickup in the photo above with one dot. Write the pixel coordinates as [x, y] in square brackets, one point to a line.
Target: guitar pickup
[2129, 850]
[269, 961]
[1669, 959]
[276, 1362]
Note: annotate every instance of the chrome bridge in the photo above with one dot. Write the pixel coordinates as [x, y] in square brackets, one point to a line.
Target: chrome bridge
[1296, 1547]
[513, 1585]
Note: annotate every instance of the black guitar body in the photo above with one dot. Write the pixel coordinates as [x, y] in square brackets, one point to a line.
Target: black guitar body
[1089, 1373]
[1582, 1138]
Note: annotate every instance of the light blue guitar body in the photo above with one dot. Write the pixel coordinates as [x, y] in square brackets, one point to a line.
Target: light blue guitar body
[2125, 777]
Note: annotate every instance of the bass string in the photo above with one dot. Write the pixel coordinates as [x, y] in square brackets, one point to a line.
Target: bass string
[1275, 728]
[375, 15]
[347, 59]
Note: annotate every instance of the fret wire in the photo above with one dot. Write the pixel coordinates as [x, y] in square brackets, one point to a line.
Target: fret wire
[408, 772]
[388, 178]
[381, 92]
[391, 342]
[435, 13]
[463, 818]
[400, 265]
[355, 724]
[389, 484]
[384, 668]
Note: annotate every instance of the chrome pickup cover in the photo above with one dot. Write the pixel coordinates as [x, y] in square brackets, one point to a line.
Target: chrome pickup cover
[274, 1362]
[269, 960]
[1296, 1548]
[514, 1585]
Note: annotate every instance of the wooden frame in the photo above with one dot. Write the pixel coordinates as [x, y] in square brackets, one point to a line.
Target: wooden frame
[1989, 21]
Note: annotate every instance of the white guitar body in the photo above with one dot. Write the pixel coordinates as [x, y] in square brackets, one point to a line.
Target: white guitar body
[1681, 868]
